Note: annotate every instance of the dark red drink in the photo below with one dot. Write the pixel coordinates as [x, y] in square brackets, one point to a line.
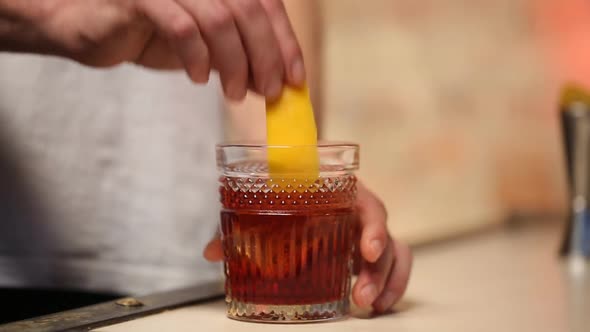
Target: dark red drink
[288, 247]
[287, 233]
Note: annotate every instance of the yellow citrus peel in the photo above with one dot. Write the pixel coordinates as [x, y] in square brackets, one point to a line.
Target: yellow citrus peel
[292, 137]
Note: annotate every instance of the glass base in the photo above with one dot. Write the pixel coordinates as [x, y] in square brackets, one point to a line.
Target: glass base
[304, 313]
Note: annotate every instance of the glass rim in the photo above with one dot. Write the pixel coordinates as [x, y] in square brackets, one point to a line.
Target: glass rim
[261, 145]
[333, 156]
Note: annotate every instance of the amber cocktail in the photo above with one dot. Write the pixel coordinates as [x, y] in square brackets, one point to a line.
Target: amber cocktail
[288, 241]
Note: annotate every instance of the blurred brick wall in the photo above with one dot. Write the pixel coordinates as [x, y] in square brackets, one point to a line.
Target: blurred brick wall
[453, 104]
[564, 27]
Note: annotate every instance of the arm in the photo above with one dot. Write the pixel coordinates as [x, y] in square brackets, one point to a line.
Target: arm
[236, 38]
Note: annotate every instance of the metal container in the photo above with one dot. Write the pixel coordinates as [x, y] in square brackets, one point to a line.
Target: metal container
[575, 120]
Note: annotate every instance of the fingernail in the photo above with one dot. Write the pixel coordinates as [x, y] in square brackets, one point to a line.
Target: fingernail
[377, 246]
[298, 71]
[199, 77]
[369, 294]
[274, 87]
[386, 300]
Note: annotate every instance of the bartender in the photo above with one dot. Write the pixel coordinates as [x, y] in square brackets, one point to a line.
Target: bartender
[106, 148]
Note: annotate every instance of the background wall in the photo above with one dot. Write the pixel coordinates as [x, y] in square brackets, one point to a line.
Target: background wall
[453, 102]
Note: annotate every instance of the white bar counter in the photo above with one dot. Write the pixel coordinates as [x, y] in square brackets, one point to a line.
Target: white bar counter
[508, 279]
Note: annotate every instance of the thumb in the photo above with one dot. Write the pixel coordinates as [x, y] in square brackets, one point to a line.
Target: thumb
[373, 222]
[213, 251]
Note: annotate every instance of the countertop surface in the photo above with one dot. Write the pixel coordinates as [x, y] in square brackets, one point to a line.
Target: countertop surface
[509, 279]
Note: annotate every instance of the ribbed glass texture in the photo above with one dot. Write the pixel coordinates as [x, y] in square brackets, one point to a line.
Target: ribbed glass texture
[287, 243]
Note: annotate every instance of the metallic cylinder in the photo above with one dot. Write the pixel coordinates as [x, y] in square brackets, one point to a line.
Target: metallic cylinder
[575, 118]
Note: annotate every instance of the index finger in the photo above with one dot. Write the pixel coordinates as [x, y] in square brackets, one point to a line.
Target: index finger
[373, 222]
[398, 280]
[183, 33]
[288, 43]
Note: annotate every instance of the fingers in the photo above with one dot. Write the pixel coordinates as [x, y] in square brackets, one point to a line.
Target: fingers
[386, 264]
[225, 45]
[214, 250]
[287, 40]
[372, 278]
[244, 40]
[398, 280]
[157, 55]
[262, 47]
[373, 222]
[183, 33]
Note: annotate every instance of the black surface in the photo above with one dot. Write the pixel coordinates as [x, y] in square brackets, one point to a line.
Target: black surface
[18, 304]
[109, 313]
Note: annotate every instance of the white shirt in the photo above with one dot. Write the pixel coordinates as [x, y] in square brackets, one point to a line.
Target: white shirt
[107, 177]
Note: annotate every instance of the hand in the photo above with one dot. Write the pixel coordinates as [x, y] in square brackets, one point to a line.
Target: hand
[384, 263]
[250, 42]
